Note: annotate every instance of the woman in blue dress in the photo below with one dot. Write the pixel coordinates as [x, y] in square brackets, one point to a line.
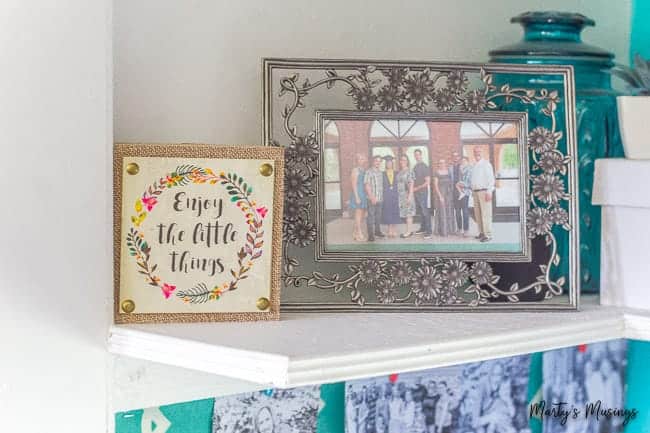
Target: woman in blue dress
[390, 207]
[358, 199]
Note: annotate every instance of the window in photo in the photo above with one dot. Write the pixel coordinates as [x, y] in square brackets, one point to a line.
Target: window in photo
[422, 186]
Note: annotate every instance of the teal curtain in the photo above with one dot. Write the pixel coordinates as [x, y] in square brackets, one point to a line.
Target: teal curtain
[535, 382]
[332, 418]
[189, 417]
[640, 28]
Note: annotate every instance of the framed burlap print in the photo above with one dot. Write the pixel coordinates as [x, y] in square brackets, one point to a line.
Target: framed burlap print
[197, 232]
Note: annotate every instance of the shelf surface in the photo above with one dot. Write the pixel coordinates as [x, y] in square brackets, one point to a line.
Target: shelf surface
[313, 348]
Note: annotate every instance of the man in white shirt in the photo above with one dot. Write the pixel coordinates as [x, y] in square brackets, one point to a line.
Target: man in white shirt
[482, 189]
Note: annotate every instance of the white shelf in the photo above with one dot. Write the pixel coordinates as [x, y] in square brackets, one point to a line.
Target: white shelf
[322, 348]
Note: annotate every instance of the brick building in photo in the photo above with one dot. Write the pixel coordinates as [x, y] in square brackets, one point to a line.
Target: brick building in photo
[345, 139]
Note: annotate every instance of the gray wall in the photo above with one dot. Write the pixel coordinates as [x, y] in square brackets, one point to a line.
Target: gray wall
[190, 70]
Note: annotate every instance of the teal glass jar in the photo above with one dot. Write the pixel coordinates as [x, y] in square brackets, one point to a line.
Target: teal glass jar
[553, 38]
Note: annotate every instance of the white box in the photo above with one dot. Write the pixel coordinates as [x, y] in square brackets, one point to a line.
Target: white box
[622, 188]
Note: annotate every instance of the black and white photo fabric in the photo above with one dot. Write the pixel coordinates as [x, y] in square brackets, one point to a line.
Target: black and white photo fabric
[588, 378]
[482, 397]
[270, 411]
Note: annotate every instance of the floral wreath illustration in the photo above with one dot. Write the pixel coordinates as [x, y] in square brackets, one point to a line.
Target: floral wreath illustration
[240, 195]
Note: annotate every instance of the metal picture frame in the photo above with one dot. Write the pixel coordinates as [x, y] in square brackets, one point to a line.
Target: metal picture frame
[301, 95]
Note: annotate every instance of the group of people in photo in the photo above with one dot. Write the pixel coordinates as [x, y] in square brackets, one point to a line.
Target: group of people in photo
[483, 398]
[394, 195]
[293, 410]
[586, 375]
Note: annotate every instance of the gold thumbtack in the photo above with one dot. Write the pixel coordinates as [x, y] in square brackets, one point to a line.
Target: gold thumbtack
[266, 169]
[132, 168]
[128, 306]
[263, 304]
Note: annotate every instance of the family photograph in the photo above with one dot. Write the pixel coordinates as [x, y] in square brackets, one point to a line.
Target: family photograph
[482, 397]
[422, 186]
[589, 374]
[293, 410]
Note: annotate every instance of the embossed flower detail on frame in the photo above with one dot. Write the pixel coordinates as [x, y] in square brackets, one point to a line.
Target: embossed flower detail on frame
[297, 183]
[390, 98]
[447, 295]
[426, 285]
[418, 89]
[542, 140]
[438, 281]
[386, 291]
[370, 271]
[457, 81]
[444, 99]
[395, 76]
[303, 149]
[475, 101]
[401, 272]
[292, 210]
[363, 97]
[300, 233]
[538, 222]
[551, 162]
[548, 188]
[455, 273]
[559, 216]
[481, 273]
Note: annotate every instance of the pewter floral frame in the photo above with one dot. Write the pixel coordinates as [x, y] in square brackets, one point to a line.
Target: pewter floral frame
[298, 93]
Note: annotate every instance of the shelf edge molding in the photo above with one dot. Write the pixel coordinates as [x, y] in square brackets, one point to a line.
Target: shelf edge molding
[221, 360]
[295, 367]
